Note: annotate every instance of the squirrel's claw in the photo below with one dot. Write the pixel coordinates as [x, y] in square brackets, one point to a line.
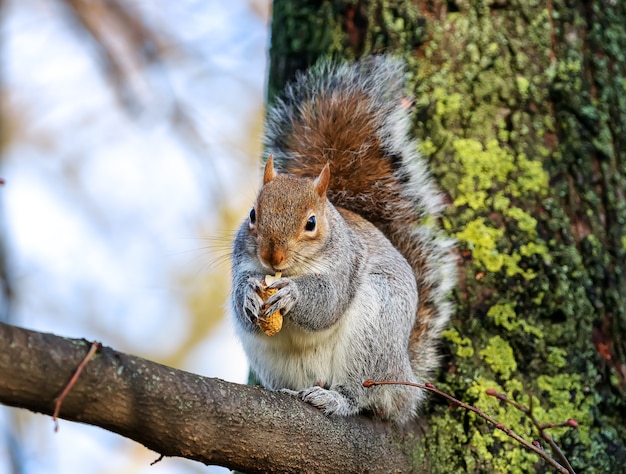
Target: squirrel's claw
[284, 299]
[255, 283]
[330, 402]
[280, 283]
[253, 304]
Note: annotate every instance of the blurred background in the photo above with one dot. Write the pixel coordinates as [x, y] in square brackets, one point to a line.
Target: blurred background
[130, 144]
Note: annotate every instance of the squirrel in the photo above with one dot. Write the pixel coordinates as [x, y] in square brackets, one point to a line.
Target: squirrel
[345, 214]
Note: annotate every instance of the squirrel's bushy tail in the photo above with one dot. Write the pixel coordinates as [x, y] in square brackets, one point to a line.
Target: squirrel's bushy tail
[356, 117]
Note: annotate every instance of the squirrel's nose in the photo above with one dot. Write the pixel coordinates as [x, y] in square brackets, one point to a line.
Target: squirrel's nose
[274, 257]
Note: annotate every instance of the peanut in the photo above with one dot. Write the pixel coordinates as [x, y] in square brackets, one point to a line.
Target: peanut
[274, 322]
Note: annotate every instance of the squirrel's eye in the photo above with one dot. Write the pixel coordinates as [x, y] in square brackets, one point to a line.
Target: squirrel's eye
[310, 224]
[252, 216]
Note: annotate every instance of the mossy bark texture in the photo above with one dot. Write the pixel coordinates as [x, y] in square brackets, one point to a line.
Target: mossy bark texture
[520, 106]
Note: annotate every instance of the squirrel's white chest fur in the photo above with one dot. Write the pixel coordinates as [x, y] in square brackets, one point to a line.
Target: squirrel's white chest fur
[296, 359]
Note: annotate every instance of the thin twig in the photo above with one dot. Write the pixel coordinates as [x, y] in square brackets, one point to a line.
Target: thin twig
[429, 386]
[59, 400]
[541, 427]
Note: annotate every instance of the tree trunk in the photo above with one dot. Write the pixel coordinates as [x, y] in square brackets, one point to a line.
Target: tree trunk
[521, 109]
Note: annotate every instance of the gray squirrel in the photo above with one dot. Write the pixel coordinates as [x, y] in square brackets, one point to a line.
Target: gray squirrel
[345, 220]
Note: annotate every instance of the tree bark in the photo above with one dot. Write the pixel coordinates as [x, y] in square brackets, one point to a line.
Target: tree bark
[176, 413]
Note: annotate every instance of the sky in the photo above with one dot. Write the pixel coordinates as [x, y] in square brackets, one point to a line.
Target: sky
[116, 228]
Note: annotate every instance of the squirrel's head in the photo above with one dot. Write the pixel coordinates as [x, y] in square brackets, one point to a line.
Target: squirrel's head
[288, 220]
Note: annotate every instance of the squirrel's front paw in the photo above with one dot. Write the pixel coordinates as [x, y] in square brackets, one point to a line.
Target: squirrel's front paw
[284, 299]
[252, 302]
[330, 402]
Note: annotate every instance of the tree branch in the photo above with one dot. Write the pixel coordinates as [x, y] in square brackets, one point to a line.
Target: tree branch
[177, 413]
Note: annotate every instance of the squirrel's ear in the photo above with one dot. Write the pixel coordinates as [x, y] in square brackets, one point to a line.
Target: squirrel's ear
[321, 182]
[269, 173]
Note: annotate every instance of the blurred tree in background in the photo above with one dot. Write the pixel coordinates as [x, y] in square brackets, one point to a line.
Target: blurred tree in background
[122, 127]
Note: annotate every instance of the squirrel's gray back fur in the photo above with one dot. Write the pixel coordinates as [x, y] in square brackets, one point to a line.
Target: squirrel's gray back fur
[355, 116]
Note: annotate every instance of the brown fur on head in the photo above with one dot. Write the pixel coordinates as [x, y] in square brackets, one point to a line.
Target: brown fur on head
[289, 218]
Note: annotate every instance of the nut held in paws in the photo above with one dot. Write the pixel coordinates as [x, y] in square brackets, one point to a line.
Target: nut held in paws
[274, 322]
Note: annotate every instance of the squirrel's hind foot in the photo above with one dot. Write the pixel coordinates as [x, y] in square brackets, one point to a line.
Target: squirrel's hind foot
[331, 402]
